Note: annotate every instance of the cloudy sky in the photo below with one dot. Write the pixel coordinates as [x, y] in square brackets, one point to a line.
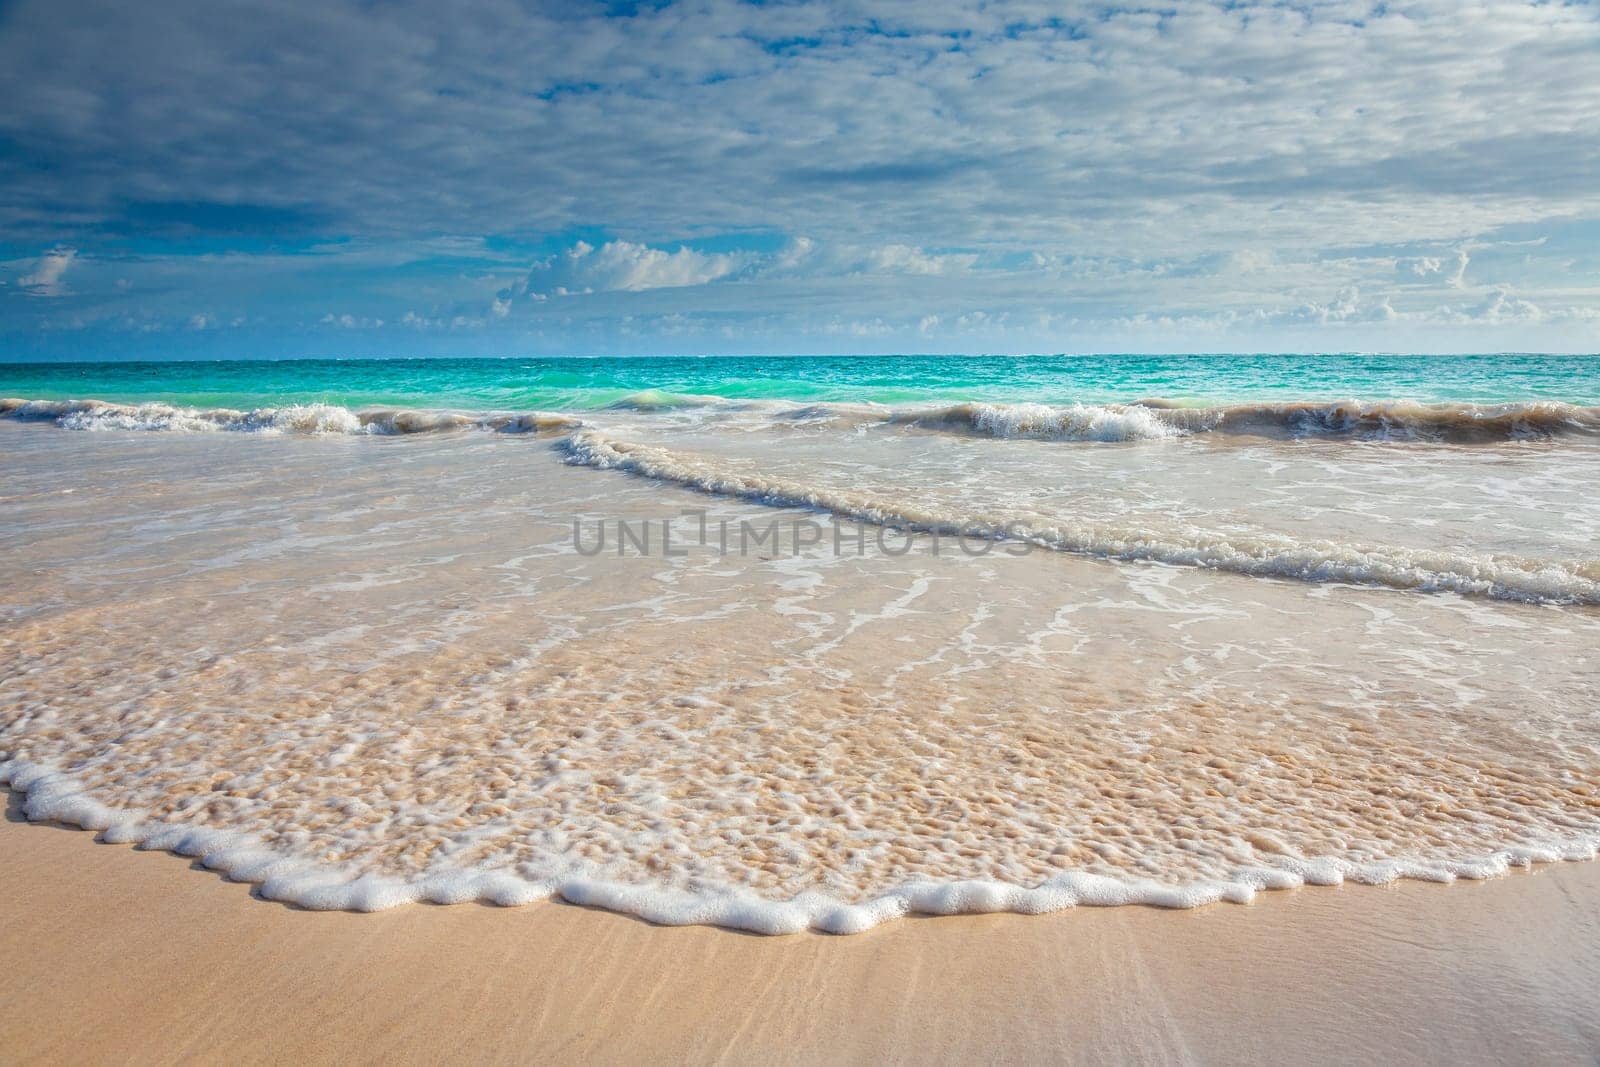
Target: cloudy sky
[229, 178]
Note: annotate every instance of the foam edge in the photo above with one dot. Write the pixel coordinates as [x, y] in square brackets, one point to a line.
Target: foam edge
[52, 796]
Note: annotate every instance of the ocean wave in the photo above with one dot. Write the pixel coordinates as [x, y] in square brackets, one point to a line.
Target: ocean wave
[1499, 577]
[1156, 419]
[1077, 422]
[53, 796]
[1143, 420]
[307, 419]
[1389, 420]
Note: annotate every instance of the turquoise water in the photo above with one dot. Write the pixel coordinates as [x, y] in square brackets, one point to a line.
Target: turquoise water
[583, 384]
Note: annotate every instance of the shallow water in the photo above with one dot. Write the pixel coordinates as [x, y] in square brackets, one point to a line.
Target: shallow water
[983, 660]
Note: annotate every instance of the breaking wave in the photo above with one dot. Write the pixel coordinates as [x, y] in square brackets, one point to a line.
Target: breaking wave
[1388, 420]
[1078, 422]
[1499, 577]
[309, 419]
[1144, 420]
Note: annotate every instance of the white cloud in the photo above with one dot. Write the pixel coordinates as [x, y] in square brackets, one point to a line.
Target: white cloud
[906, 259]
[351, 322]
[1502, 306]
[1421, 266]
[794, 253]
[451, 322]
[626, 267]
[45, 277]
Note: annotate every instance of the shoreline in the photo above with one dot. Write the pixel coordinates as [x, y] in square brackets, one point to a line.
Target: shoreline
[181, 966]
[309, 886]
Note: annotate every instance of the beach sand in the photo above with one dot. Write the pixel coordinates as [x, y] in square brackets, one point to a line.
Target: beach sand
[111, 954]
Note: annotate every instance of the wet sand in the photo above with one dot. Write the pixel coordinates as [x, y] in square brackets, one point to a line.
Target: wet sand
[114, 955]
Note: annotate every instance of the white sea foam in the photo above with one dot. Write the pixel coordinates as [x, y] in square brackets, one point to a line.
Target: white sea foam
[55, 797]
[1145, 420]
[1077, 422]
[302, 419]
[1386, 420]
[1500, 577]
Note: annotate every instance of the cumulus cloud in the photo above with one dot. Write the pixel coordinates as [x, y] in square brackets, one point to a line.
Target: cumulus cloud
[1344, 307]
[44, 279]
[1421, 266]
[443, 322]
[906, 259]
[1502, 306]
[625, 266]
[348, 321]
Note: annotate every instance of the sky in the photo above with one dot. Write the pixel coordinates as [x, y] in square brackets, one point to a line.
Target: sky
[229, 179]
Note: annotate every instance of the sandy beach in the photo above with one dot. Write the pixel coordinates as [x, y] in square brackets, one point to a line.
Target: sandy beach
[116, 955]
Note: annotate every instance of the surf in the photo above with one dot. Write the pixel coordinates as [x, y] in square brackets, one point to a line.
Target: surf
[1263, 555]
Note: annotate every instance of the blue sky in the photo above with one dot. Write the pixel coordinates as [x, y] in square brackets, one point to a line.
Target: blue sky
[231, 179]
